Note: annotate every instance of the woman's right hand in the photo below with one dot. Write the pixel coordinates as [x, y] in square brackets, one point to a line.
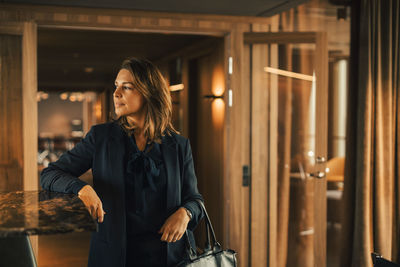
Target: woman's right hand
[92, 202]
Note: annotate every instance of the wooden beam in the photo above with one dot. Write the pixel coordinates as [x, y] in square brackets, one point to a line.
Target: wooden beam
[189, 18]
[279, 37]
[11, 28]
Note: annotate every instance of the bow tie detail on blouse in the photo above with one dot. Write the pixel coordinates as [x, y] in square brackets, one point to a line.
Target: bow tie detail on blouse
[141, 171]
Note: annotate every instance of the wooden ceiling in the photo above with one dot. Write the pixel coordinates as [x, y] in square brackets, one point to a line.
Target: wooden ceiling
[75, 60]
[220, 7]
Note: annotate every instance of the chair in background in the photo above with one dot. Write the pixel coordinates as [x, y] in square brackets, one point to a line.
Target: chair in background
[379, 261]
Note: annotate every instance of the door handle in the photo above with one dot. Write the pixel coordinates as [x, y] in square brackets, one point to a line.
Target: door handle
[318, 174]
[320, 160]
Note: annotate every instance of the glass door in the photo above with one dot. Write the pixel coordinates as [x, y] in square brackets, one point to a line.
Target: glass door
[289, 85]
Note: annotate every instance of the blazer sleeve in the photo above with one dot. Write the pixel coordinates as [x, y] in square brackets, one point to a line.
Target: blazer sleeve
[62, 175]
[190, 193]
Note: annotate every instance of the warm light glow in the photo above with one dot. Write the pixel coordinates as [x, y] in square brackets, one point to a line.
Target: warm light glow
[97, 110]
[80, 97]
[289, 74]
[72, 98]
[45, 96]
[76, 122]
[41, 95]
[219, 91]
[218, 112]
[176, 87]
[89, 96]
[218, 81]
[89, 69]
[64, 96]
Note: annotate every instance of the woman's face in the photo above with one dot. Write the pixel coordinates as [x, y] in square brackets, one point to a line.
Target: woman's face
[128, 101]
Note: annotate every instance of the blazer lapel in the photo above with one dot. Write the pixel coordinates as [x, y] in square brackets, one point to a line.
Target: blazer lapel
[170, 156]
[117, 150]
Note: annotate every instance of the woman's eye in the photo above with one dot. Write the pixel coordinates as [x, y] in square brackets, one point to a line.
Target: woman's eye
[126, 88]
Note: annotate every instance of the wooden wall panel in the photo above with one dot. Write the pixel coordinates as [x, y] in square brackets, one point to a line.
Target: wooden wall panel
[260, 153]
[11, 149]
[238, 145]
[206, 131]
[264, 145]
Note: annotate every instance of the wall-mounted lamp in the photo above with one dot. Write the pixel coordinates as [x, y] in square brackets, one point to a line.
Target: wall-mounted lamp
[213, 96]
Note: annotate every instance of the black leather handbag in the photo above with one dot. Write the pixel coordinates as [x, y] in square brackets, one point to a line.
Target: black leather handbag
[379, 261]
[213, 256]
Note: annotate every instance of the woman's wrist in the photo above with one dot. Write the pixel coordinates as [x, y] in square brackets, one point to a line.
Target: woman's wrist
[188, 213]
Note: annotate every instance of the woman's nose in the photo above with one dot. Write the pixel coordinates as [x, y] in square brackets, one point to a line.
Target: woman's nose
[117, 91]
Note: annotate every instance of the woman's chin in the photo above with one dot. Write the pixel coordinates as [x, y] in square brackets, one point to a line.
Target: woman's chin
[119, 113]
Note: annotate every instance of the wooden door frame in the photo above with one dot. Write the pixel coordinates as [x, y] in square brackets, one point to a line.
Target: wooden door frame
[27, 30]
[267, 191]
[236, 132]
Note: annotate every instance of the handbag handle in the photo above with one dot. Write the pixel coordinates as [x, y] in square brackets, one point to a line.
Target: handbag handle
[209, 228]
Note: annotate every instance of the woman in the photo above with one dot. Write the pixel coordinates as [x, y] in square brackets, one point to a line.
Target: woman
[144, 193]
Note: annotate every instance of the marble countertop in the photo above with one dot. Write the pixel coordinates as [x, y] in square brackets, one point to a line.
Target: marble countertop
[42, 212]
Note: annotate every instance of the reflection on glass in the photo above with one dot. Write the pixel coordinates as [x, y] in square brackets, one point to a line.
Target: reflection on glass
[295, 79]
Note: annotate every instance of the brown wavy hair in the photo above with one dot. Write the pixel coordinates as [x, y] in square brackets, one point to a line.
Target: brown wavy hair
[149, 81]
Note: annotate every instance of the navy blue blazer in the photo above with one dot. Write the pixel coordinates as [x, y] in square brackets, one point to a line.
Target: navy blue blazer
[103, 150]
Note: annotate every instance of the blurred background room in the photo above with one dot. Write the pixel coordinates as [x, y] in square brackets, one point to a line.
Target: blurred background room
[270, 94]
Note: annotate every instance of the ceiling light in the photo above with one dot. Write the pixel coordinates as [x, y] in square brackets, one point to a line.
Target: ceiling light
[80, 97]
[45, 96]
[64, 96]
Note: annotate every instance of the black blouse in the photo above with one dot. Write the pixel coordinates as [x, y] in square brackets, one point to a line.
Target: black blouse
[146, 186]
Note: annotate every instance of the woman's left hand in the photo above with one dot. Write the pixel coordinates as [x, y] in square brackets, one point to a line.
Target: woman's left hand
[175, 226]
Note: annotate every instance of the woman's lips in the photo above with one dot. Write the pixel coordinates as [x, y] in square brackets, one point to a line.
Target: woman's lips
[119, 105]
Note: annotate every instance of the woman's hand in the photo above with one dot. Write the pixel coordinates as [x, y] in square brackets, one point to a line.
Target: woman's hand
[175, 226]
[92, 202]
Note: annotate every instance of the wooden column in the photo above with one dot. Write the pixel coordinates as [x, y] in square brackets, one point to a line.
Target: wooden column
[11, 138]
[18, 116]
[238, 144]
[29, 106]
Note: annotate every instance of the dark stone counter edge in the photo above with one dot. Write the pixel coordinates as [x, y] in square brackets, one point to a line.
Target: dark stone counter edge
[12, 232]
